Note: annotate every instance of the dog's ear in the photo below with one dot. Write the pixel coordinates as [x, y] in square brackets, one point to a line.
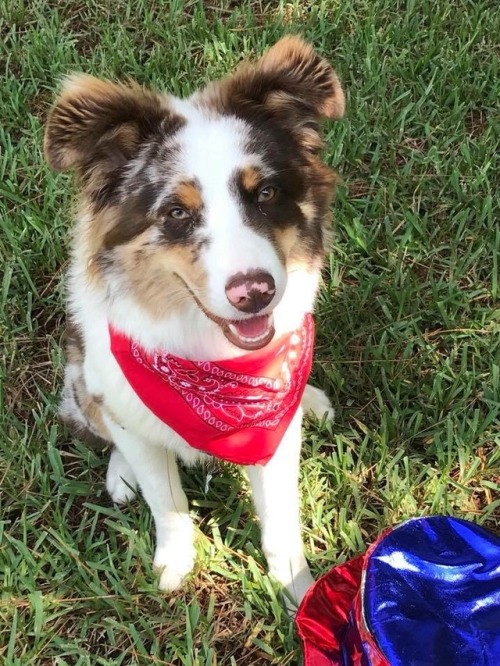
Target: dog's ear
[292, 83]
[292, 73]
[99, 122]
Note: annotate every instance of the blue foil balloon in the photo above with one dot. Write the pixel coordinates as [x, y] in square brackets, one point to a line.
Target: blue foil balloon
[427, 593]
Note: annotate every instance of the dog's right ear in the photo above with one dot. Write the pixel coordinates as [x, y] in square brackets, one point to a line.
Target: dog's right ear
[96, 123]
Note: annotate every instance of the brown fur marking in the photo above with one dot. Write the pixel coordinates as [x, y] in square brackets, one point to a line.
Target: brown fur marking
[294, 58]
[126, 226]
[91, 409]
[188, 195]
[290, 80]
[250, 177]
[88, 406]
[159, 290]
[102, 120]
[74, 345]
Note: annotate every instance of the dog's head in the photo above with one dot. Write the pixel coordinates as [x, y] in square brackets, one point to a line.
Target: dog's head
[215, 198]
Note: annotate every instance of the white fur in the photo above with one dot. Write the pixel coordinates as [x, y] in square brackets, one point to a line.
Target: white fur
[315, 401]
[121, 482]
[275, 493]
[233, 246]
[158, 476]
[147, 448]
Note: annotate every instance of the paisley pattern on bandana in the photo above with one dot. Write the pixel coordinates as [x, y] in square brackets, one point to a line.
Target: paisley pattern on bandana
[210, 403]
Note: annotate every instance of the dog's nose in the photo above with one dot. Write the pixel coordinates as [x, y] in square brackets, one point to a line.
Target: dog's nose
[252, 291]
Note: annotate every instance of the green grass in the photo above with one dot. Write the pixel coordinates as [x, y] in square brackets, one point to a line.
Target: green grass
[408, 321]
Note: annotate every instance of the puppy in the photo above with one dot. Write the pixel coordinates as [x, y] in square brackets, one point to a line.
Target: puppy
[196, 258]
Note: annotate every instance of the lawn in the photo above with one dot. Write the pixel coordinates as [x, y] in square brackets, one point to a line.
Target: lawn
[408, 323]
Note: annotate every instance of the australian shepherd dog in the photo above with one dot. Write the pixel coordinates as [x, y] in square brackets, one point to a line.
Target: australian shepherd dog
[196, 257]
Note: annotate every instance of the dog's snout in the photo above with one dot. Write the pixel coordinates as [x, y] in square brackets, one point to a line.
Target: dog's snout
[251, 292]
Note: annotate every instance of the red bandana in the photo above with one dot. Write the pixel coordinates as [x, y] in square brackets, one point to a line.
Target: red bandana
[237, 409]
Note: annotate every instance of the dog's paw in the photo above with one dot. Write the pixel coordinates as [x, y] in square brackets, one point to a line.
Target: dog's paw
[121, 483]
[294, 577]
[296, 590]
[174, 565]
[316, 402]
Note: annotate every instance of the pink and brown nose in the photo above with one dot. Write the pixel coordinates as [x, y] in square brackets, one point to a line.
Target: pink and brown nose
[251, 292]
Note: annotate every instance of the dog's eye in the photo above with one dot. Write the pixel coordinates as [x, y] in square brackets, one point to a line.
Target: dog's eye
[179, 214]
[266, 194]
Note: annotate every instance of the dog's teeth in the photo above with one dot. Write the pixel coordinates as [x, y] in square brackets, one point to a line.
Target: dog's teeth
[257, 338]
[249, 340]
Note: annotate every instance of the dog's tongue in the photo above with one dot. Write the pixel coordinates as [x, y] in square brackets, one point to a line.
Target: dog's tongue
[252, 328]
[251, 334]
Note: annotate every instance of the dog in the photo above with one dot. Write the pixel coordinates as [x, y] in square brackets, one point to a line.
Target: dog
[202, 227]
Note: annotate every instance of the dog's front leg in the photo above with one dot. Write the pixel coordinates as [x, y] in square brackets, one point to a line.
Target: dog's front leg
[276, 498]
[158, 477]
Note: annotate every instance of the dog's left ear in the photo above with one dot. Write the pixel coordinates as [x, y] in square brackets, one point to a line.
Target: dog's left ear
[291, 82]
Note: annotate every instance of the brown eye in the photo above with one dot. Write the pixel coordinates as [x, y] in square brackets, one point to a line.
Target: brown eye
[266, 194]
[179, 214]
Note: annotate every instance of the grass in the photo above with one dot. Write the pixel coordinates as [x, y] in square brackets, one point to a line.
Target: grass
[409, 322]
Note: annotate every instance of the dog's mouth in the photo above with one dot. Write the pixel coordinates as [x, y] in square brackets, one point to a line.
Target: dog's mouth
[249, 334]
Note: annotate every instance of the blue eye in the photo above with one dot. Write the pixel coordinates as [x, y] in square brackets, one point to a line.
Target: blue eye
[179, 214]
